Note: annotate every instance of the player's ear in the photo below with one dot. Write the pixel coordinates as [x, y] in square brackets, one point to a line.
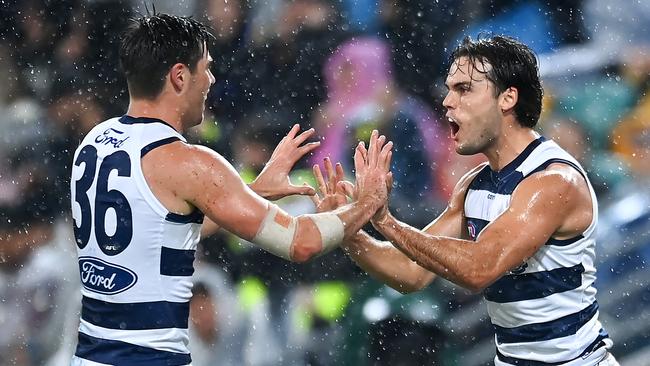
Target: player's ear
[178, 77]
[508, 99]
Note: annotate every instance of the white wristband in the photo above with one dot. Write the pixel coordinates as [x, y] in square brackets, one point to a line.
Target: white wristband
[331, 230]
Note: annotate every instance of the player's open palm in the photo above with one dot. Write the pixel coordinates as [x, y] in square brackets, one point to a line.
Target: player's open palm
[372, 168]
[273, 182]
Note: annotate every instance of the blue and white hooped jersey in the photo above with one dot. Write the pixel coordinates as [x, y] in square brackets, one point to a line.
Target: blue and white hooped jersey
[135, 257]
[544, 312]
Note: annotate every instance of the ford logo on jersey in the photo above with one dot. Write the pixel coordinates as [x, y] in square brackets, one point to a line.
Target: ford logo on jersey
[105, 278]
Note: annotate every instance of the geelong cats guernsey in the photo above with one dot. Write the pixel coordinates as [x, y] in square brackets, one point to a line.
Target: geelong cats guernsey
[544, 312]
[135, 257]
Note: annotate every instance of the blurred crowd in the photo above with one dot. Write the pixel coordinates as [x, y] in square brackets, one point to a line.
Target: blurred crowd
[344, 67]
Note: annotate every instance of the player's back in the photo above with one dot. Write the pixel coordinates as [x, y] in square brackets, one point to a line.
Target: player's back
[135, 257]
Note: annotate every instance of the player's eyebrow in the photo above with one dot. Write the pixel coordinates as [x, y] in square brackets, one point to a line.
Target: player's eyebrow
[457, 85]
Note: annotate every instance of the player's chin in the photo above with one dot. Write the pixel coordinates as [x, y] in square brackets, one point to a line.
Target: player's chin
[465, 148]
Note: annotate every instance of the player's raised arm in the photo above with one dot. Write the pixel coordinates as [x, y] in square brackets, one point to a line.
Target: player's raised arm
[540, 207]
[381, 259]
[273, 181]
[217, 190]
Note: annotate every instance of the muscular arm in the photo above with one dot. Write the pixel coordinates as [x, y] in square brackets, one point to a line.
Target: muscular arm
[388, 264]
[209, 227]
[553, 202]
[203, 179]
[225, 199]
[273, 181]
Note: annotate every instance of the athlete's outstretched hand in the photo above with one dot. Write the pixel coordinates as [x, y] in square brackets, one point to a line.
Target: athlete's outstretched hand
[372, 170]
[331, 190]
[273, 182]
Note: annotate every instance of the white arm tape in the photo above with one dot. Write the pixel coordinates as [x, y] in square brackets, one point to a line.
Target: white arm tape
[273, 237]
[331, 230]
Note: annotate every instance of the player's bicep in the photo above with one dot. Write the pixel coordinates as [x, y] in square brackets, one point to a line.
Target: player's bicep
[222, 196]
[537, 209]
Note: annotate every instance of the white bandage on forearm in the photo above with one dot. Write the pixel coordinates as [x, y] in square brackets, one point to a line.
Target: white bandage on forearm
[331, 230]
[276, 233]
[278, 230]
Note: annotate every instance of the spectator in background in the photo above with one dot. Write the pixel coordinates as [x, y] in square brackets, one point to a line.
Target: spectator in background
[106, 81]
[414, 29]
[569, 134]
[281, 70]
[71, 113]
[36, 35]
[20, 111]
[229, 21]
[631, 141]
[38, 279]
[605, 169]
[362, 96]
[616, 32]
[216, 329]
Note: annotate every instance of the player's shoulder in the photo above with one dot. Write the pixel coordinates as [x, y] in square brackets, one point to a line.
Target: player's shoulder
[182, 157]
[558, 177]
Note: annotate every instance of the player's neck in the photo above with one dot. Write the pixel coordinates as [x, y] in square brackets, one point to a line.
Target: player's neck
[158, 109]
[509, 145]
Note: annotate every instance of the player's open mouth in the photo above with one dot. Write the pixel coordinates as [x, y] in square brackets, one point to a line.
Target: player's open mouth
[454, 126]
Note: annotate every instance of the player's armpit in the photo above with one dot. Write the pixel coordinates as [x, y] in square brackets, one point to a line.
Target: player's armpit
[450, 222]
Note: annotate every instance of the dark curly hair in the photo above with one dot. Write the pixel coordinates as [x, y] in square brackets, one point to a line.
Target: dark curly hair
[152, 44]
[513, 65]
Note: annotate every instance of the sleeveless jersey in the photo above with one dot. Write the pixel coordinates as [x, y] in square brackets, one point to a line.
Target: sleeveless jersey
[135, 257]
[544, 312]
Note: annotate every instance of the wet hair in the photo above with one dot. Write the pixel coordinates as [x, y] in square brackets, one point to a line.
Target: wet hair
[152, 44]
[513, 64]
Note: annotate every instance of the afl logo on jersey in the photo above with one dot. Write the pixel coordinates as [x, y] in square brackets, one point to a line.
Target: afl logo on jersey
[105, 278]
[471, 230]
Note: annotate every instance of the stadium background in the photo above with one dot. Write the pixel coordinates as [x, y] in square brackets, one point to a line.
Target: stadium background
[343, 67]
